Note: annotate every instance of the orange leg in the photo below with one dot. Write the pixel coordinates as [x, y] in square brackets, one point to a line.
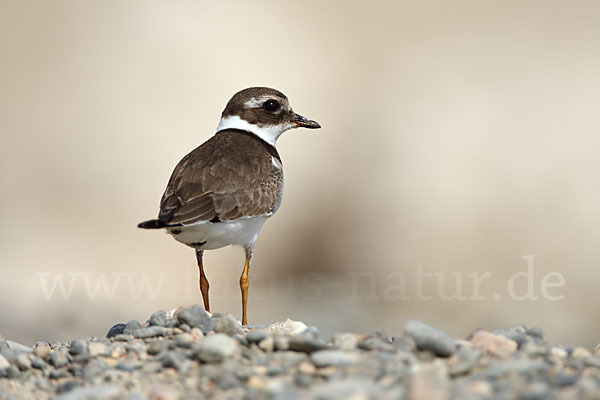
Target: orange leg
[203, 281]
[244, 284]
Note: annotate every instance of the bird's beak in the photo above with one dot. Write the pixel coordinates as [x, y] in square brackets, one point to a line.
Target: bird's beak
[302, 122]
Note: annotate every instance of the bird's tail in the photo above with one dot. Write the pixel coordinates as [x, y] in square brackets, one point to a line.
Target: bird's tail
[152, 224]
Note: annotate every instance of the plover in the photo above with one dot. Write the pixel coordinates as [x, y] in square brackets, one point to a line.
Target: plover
[222, 192]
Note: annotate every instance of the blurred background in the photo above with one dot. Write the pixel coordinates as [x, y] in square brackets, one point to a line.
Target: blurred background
[460, 141]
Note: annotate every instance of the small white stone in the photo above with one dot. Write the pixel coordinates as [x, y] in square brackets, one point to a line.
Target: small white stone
[288, 327]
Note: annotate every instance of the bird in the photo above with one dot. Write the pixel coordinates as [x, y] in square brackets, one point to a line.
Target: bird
[222, 192]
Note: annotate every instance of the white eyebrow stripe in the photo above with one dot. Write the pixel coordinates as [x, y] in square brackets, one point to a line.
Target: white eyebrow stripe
[255, 102]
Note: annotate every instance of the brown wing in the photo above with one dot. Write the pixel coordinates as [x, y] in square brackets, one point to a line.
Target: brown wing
[229, 176]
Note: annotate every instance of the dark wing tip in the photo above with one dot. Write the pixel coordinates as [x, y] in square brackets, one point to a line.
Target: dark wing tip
[152, 224]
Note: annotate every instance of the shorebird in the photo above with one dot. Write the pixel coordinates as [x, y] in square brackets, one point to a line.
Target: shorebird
[222, 192]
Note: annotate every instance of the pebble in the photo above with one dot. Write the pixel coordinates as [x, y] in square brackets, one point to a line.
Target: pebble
[429, 338]
[228, 325]
[464, 361]
[429, 381]
[336, 358]
[267, 344]
[98, 349]
[354, 389]
[288, 327]
[184, 340]
[38, 363]
[3, 362]
[580, 352]
[171, 360]
[517, 333]
[156, 347]
[306, 344]
[163, 392]
[405, 343]
[42, 351]
[124, 337]
[148, 332]
[345, 341]
[115, 330]
[256, 336]
[78, 346]
[23, 362]
[196, 317]
[492, 343]
[21, 348]
[159, 318]
[131, 327]
[99, 392]
[289, 360]
[215, 348]
[59, 359]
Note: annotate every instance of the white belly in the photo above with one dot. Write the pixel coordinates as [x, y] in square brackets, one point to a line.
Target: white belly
[241, 232]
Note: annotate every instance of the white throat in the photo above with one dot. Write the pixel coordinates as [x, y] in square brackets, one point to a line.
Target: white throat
[269, 133]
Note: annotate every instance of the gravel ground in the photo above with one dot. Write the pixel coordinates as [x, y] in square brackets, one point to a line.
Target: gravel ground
[189, 354]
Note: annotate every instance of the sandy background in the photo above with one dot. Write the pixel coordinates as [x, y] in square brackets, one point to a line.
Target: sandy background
[458, 137]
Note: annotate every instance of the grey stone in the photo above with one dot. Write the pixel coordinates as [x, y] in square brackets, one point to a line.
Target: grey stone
[306, 344]
[497, 369]
[18, 347]
[78, 346]
[226, 381]
[58, 374]
[196, 317]
[23, 361]
[156, 347]
[349, 388]
[100, 392]
[151, 331]
[38, 363]
[171, 359]
[159, 318]
[256, 336]
[592, 361]
[125, 366]
[517, 333]
[563, 379]
[136, 395]
[535, 391]
[289, 359]
[429, 338]
[185, 340]
[405, 343]
[131, 327]
[228, 325]
[12, 372]
[58, 358]
[376, 343]
[215, 348]
[536, 332]
[67, 386]
[467, 360]
[336, 358]
[124, 337]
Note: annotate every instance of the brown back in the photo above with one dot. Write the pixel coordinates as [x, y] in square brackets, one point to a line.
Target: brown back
[229, 176]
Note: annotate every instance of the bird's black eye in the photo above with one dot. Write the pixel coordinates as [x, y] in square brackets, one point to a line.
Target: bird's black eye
[271, 105]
